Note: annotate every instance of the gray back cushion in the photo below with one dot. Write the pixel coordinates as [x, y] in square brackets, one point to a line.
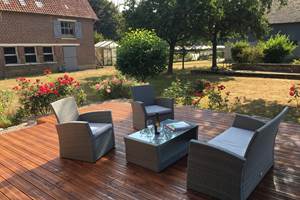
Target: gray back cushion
[65, 110]
[144, 93]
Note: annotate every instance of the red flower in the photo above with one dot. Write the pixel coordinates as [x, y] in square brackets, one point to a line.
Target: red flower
[292, 88]
[16, 88]
[292, 93]
[55, 92]
[51, 85]
[221, 87]
[47, 71]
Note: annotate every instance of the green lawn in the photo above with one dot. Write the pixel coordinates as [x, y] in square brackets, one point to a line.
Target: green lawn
[263, 97]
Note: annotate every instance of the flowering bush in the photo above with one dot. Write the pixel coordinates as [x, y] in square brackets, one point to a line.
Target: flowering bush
[35, 96]
[114, 87]
[193, 93]
[295, 94]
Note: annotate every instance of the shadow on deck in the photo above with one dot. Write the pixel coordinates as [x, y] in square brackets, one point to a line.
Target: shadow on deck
[31, 169]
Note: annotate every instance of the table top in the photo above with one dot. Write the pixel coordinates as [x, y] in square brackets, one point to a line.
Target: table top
[148, 135]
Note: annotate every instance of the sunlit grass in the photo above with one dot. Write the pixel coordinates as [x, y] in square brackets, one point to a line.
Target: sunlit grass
[263, 96]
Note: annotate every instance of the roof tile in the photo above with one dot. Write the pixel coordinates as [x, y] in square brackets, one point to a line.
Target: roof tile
[68, 8]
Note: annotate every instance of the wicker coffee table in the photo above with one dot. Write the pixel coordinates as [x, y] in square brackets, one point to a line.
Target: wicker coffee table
[156, 152]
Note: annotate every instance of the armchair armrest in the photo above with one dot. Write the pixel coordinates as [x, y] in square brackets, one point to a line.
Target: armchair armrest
[165, 102]
[68, 130]
[210, 167]
[97, 117]
[138, 107]
[247, 122]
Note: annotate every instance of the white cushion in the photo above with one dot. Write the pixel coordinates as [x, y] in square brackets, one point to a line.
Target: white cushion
[234, 139]
[152, 110]
[99, 128]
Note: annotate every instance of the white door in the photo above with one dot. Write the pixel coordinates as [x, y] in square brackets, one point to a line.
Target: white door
[70, 58]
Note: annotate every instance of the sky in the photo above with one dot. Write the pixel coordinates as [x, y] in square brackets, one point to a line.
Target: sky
[118, 2]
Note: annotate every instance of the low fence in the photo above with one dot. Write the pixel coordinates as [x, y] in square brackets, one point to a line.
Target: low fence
[286, 68]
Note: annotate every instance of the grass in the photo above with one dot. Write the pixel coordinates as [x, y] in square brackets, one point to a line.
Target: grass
[261, 96]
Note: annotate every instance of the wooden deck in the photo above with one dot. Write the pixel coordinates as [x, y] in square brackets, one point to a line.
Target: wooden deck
[31, 169]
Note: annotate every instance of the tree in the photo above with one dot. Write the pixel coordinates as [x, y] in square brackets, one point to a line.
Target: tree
[141, 54]
[110, 23]
[98, 37]
[226, 18]
[172, 20]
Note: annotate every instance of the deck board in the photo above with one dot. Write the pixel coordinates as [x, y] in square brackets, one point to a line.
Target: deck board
[30, 167]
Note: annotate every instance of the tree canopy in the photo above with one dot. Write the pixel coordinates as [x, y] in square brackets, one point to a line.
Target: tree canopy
[212, 20]
[172, 20]
[111, 22]
[239, 18]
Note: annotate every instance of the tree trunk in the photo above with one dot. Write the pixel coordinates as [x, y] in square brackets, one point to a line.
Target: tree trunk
[214, 41]
[183, 57]
[171, 58]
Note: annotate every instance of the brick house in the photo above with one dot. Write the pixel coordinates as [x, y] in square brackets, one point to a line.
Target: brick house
[40, 34]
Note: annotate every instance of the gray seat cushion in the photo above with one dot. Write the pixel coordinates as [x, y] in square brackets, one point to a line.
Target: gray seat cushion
[152, 110]
[99, 128]
[234, 139]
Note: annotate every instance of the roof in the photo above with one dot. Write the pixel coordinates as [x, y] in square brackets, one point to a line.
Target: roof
[65, 8]
[106, 44]
[285, 14]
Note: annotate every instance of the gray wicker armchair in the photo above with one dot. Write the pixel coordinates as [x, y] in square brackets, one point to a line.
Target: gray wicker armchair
[145, 106]
[232, 164]
[86, 136]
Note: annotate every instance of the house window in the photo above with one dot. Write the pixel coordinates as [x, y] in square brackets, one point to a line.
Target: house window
[67, 28]
[48, 54]
[10, 55]
[30, 55]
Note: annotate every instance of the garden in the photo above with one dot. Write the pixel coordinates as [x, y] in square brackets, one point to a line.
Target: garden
[142, 58]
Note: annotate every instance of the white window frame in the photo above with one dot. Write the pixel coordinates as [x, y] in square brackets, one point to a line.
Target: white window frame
[45, 54]
[16, 54]
[31, 54]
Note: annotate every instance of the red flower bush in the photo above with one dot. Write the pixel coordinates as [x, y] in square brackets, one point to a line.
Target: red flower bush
[192, 93]
[36, 96]
[294, 92]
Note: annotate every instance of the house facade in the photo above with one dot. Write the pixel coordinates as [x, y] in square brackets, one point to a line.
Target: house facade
[41, 34]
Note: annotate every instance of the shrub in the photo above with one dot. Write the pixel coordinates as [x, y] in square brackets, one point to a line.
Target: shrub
[296, 62]
[35, 96]
[242, 52]
[194, 93]
[115, 87]
[277, 48]
[237, 51]
[180, 91]
[141, 54]
[6, 98]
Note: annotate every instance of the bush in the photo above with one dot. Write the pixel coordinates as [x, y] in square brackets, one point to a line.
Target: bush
[180, 91]
[237, 51]
[35, 96]
[277, 48]
[195, 93]
[242, 52]
[6, 98]
[116, 87]
[141, 54]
